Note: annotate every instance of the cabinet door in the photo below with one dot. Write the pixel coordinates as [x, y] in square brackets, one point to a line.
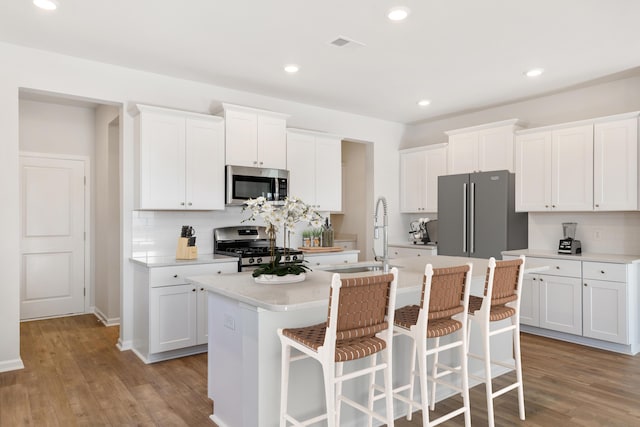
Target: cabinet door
[328, 181]
[572, 169]
[241, 130]
[462, 154]
[202, 317]
[314, 260]
[204, 164]
[530, 300]
[561, 304]
[605, 311]
[272, 142]
[615, 165]
[162, 161]
[301, 161]
[495, 149]
[436, 165]
[172, 317]
[413, 181]
[533, 172]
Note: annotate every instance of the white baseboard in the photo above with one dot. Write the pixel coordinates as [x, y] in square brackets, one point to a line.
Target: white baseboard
[11, 365]
[124, 345]
[114, 321]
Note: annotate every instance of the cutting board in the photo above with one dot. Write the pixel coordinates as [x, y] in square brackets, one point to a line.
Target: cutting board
[320, 249]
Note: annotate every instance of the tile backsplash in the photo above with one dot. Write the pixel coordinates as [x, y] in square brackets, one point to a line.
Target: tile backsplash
[598, 232]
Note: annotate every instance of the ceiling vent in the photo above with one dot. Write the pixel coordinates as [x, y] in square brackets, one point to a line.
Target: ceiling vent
[343, 41]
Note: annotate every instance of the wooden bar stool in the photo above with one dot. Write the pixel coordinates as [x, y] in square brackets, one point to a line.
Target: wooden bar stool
[442, 312]
[501, 301]
[361, 311]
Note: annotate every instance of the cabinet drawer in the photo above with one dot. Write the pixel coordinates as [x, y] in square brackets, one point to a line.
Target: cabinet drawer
[176, 275]
[604, 271]
[560, 267]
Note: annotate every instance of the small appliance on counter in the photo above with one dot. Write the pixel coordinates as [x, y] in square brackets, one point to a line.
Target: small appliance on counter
[187, 248]
[424, 231]
[569, 245]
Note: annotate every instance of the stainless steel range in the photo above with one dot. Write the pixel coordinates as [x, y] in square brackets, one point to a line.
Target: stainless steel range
[251, 245]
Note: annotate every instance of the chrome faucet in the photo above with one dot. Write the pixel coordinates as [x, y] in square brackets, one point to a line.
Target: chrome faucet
[385, 233]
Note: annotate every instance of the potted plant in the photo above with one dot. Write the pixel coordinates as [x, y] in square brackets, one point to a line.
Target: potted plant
[281, 218]
[306, 238]
[317, 232]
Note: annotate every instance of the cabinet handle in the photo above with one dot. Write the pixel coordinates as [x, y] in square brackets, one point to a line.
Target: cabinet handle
[602, 271]
[175, 276]
[255, 162]
[193, 290]
[202, 289]
[534, 279]
[219, 272]
[546, 206]
[346, 262]
[419, 254]
[585, 285]
[557, 267]
[181, 203]
[260, 163]
[597, 206]
[553, 206]
[189, 204]
[541, 279]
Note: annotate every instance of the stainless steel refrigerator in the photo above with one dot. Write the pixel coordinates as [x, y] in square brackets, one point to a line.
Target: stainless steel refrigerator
[476, 215]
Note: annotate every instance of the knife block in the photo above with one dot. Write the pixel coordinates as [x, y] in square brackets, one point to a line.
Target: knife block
[186, 252]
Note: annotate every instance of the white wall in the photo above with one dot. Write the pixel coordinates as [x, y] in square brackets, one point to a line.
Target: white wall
[44, 71]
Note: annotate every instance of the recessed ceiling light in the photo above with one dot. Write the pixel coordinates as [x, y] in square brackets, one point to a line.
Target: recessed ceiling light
[424, 102]
[46, 4]
[398, 13]
[534, 72]
[291, 68]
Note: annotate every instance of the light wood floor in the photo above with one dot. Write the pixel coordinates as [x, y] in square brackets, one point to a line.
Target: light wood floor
[74, 375]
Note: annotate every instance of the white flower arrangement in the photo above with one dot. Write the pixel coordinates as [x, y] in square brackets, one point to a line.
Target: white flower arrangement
[281, 217]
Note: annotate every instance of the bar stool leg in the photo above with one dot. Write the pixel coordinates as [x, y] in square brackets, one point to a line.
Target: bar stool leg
[518, 357]
[388, 387]
[338, 402]
[412, 379]
[464, 366]
[486, 341]
[434, 373]
[328, 370]
[372, 381]
[424, 389]
[284, 382]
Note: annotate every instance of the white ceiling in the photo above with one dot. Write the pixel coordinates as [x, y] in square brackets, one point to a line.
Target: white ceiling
[460, 54]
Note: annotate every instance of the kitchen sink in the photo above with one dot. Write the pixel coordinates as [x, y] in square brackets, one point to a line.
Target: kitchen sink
[357, 268]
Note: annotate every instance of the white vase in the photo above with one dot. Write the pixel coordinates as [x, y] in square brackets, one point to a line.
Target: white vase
[272, 279]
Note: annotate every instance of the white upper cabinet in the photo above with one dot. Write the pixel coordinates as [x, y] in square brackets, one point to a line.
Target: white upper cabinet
[582, 166]
[615, 165]
[482, 148]
[419, 172]
[572, 169]
[315, 168]
[255, 138]
[180, 160]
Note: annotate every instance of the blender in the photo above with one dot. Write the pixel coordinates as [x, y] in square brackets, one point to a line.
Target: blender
[569, 245]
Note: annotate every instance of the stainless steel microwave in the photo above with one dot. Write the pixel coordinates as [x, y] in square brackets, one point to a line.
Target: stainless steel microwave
[244, 183]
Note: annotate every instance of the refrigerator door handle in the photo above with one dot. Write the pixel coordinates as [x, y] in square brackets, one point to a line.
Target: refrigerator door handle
[472, 222]
[464, 217]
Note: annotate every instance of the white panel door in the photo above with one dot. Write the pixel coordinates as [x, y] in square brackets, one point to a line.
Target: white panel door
[328, 174]
[172, 317]
[605, 311]
[463, 153]
[52, 244]
[495, 149]
[204, 164]
[413, 181]
[615, 165]
[436, 165]
[533, 172]
[162, 161]
[301, 161]
[572, 169]
[561, 304]
[530, 300]
[272, 142]
[241, 130]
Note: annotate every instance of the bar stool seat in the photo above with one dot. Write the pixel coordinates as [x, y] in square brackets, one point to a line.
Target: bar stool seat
[358, 326]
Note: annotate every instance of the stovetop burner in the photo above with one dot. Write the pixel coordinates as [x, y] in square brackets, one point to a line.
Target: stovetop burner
[251, 244]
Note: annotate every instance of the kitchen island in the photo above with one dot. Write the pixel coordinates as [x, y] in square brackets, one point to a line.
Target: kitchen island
[244, 349]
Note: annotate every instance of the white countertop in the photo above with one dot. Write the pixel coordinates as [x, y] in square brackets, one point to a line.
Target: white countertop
[586, 256]
[170, 261]
[314, 291]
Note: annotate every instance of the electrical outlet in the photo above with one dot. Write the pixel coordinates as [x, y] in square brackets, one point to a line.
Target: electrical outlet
[229, 322]
[596, 234]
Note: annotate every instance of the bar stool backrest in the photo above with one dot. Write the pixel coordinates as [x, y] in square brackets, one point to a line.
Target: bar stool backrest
[446, 291]
[362, 306]
[507, 279]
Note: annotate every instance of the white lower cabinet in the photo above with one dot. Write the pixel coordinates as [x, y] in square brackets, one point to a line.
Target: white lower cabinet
[606, 302]
[171, 314]
[587, 298]
[404, 252]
